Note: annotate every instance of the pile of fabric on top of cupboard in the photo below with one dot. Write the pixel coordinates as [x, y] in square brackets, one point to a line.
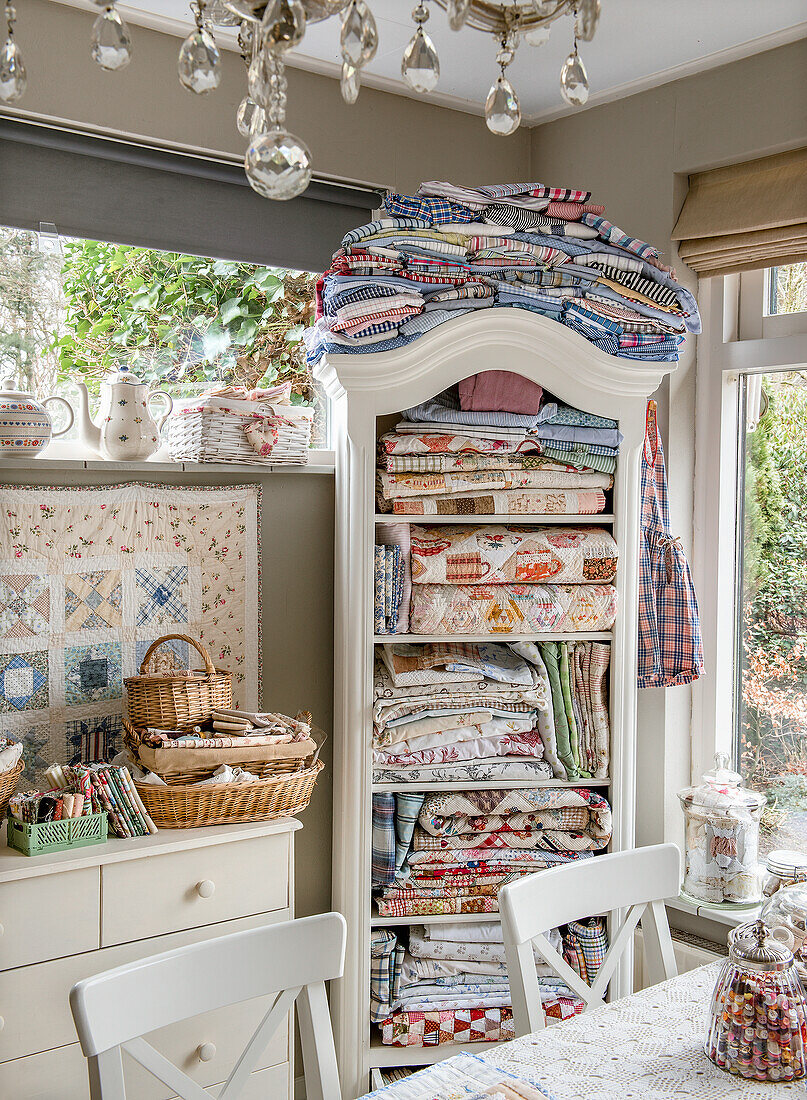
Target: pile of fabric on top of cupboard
[449, 250]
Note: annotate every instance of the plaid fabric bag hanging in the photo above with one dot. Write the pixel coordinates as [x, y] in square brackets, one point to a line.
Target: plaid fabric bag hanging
[670, 647]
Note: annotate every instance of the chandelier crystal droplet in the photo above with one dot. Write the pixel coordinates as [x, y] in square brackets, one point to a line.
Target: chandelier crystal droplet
[359, 37]
[277, 164]
[350, 83]
[502, 109]
[458, 13]
[574, 79]
[110, 44]
[13, 78]
[420, 65]
[250, 118]
[283, 25]
[587, 17]
[199, 64]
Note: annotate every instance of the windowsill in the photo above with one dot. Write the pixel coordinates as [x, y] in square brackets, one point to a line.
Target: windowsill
[67, 457]
[731, 918]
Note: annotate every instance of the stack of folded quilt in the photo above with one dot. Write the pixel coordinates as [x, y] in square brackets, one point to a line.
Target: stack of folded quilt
[449, 853]
[449, 982]
[454, 711]
[511, 580]
[449, 250]
[494, 445]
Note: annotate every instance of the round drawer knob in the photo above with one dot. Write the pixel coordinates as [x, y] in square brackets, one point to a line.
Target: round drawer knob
[206, 1052]
[205, 888]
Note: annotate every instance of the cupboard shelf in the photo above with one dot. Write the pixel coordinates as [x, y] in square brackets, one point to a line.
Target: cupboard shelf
[532, 518]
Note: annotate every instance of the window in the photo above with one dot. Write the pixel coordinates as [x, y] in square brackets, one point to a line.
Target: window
[72, 309]
[770, 667]
[786, 289]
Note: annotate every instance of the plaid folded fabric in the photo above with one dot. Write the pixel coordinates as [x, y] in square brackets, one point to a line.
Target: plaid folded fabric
[585, 944]
[386, 956]
[435, 211]
[383, 838]
[615, 236]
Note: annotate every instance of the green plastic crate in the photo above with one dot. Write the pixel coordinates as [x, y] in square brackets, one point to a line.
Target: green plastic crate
[56, 836]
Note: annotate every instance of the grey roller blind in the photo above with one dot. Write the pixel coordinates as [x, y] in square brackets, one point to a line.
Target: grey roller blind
[132, 194]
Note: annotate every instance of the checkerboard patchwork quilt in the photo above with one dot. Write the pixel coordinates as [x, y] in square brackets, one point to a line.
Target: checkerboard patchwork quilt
[90, 577]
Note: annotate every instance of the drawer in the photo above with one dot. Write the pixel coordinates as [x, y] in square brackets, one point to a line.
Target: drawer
[160, 894]
[62, 1075]
[48, 916]
[40, 993]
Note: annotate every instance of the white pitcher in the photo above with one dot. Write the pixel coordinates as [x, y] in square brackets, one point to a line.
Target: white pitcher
[127, 431]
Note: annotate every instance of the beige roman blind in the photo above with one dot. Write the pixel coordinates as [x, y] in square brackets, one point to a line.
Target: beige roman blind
[746, 216]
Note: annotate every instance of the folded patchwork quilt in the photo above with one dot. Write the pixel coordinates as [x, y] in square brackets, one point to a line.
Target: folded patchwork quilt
[397, 486]
[493, 554]
[506, 502]
[562, 819]
[471, 771]
[511, 608]
[405, 907]
[467, 1025]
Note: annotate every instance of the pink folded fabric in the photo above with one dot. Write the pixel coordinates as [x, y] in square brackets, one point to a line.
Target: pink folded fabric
[572, 211]
[499, 391]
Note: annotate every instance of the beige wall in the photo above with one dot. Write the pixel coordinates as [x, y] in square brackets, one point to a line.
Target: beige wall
[382, 139]
[634, 155]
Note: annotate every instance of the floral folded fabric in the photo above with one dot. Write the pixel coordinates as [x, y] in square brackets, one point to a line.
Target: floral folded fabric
[480, 748]
[471, 771]
[458, 462]
[393, 907]
[493, 554]
[506, 502]
[510, 608]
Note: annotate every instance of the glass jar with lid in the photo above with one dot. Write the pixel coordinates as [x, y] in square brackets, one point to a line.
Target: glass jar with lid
[785, 914]
[784, 868]
[758, 1017]
[722, 839]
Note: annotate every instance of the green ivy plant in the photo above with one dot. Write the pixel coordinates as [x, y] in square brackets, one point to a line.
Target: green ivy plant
[173, 318]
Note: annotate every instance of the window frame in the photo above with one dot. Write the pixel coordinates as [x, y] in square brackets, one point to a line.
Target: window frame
[737, 341]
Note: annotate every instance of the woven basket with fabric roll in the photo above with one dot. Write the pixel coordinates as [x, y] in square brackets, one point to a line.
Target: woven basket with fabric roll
[177, 702]
[265, 761]
[179, 807]
[8, 785]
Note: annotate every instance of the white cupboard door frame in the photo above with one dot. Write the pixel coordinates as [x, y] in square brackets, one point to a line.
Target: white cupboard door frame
[363, 387]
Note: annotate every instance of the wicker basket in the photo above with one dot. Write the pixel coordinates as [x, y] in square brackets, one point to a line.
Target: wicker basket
[177, 702]
[176, 807]
[8, 785]
[263, 768]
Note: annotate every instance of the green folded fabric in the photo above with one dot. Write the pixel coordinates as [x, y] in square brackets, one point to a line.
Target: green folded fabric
[566, 686]
[551, 653]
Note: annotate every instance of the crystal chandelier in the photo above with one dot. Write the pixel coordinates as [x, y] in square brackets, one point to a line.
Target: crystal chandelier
[277, 164]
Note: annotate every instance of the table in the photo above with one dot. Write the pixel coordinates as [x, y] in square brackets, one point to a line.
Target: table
[648, 1046]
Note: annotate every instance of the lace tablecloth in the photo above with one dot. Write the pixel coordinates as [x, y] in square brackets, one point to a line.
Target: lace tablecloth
[648, 1046]
[645, 1047]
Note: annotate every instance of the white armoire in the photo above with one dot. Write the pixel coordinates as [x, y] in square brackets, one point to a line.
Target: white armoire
[367, 390]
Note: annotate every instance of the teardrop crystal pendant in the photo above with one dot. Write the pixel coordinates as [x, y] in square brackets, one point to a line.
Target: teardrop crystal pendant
[278, 165]
[458, 13]
[13, 78]
[110, 41]
[574, 80]
[259, 79]
[538, 36]
[502, 109]
[283, 25]
[350, 83]
[359, 37]
[199, 65]
[250, 118]
[420, 65]
[588, 16]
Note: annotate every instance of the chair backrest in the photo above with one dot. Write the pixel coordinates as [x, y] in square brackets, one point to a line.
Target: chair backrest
[637, 881]
[293, 959]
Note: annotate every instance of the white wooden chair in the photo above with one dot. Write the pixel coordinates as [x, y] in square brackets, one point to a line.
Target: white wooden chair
[638, 881]
[294, 959]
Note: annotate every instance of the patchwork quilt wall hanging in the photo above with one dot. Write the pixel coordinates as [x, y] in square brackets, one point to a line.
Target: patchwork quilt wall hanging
[90, 577]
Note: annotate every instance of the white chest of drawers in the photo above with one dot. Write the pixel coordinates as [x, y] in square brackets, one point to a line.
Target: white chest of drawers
[72, 914]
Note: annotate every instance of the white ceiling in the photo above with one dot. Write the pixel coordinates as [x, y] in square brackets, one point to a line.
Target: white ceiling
[639, 44]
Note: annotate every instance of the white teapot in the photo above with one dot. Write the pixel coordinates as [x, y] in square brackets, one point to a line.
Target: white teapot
[127, 431]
